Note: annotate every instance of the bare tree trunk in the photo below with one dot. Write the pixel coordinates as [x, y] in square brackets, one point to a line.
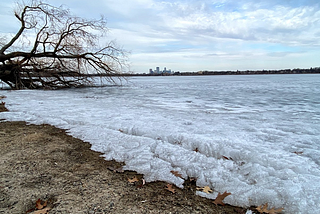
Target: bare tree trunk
[64, 52]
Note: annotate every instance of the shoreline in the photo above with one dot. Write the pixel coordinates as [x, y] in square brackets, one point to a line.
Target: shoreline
[43, 162]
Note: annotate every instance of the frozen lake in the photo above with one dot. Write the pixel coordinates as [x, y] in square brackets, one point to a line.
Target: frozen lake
[257, 137]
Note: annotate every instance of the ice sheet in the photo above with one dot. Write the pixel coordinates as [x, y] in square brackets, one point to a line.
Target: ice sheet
[254, 136]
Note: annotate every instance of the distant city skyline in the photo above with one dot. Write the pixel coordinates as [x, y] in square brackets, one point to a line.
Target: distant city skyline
[202, 35]
[158, 71]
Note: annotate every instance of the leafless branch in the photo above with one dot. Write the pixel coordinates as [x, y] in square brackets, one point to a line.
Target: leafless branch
[63, 45]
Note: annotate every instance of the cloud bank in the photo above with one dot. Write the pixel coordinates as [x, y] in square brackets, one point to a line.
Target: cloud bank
[209, 35]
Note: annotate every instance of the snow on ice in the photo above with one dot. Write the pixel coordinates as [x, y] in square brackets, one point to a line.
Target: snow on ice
[254, 136]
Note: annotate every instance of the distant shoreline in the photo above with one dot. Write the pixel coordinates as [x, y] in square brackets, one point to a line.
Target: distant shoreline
[315, 70]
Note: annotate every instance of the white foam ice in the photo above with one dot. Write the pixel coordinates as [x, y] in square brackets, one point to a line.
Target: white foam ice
[254, 136]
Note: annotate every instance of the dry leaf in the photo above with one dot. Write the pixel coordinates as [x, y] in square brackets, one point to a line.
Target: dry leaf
[205, 189]
[133, 180]
[220, 198]
[273, 211]
[225, 157]
[192, 179]
[298, 153]
[43, 211]
[40, 205]
[177, 174]
[264, 209]
[170, 188]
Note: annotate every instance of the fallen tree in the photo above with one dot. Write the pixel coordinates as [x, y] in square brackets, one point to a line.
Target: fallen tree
[54, 49]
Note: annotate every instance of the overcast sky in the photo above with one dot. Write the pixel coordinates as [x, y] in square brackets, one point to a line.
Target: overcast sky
[194, 35]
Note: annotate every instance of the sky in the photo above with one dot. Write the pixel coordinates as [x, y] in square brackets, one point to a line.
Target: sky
[200, 35]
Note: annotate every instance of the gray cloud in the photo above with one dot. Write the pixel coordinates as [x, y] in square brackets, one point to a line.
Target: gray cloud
[204, 30]
[282, 23]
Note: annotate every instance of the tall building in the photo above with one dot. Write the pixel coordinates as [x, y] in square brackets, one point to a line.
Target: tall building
[157, 71]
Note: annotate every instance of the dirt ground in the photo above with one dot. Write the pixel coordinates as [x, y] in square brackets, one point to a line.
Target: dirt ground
[43, 162]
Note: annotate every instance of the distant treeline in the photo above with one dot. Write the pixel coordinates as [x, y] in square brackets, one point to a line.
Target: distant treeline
[247, 72]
